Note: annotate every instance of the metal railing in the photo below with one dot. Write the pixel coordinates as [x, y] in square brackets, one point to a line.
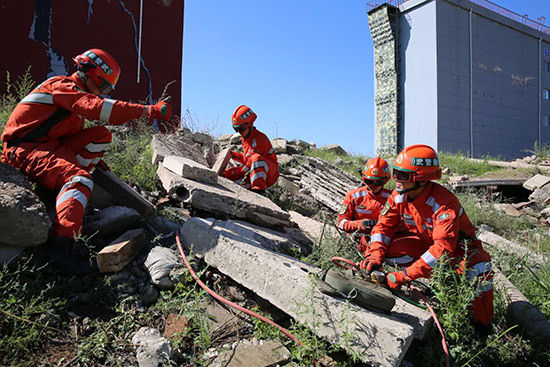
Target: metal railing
[523, 19]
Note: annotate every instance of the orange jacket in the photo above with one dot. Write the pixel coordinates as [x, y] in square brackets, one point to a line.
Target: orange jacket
[436, 216]
[257, 142]
[57, 108]
[361, 204]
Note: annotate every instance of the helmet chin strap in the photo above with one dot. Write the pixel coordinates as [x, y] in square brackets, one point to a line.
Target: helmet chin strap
[417, 185]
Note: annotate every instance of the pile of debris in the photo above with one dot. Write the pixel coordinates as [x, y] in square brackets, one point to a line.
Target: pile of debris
[246, 236]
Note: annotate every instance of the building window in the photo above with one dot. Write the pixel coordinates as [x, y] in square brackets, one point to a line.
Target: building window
[547, 52]
[546, 120]
[546, 94]
[547, 66]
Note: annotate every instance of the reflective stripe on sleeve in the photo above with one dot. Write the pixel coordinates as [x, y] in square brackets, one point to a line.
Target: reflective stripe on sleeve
[86, 162]
[72, 194]
[460, 212]
[360, 194]
[80, 179]
[379, 237]
[259, 164]
[431, 202]
[44, 98]
[410, 222]
[399, 199]
[341, 224]
[405, 259]
[257, 176]
[106, 109]
[385, 194]
[429, 259]
[97, 147]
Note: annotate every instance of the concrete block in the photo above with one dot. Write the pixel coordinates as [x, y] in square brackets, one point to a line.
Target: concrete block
[335, 148]
[222, 160]
[380, 339]
[192, 170]
[279, 145]
[225, 198]
[269, 353]
[179, 144]
[313, 228]
[121, 251]
[536, 182]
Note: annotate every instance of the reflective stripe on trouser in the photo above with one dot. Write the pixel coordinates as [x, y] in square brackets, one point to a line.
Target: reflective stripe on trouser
[54, 166]
[89, 145]
[263, 172]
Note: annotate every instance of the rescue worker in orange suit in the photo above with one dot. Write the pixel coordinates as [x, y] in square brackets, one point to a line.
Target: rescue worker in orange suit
[45, 139]
[363, 205]
[257, 165]
[437, 225]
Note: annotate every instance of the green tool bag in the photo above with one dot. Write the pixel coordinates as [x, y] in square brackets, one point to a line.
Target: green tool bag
[344, 283]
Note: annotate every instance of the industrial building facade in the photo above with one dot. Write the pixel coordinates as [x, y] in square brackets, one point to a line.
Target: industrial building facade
[461, 76]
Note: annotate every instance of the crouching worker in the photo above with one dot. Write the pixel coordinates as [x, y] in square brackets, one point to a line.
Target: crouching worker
[257, 165]
[363, 205]
[45, 139]
[436, 225]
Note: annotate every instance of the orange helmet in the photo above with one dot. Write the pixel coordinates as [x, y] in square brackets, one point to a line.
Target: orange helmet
[417, 163]
[100, 66]
[242, 118]
[376, 169]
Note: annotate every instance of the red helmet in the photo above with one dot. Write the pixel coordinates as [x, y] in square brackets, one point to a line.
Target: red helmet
[376, 169]
[242, 118]
[100, 66]
[417, 163]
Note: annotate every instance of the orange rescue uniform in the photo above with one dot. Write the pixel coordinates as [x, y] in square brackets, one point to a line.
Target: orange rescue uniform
[258, 160]
[359, 205]
[45, 139]
[436, 224]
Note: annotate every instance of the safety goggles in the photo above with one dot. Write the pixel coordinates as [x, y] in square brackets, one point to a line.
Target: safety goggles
[106, 87]
[374, 182]
[402, 176]
[240, 128]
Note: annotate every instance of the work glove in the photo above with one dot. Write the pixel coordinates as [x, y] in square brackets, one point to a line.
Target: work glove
[370, 264]
[162, 112]
[363, 245]
[397, 278]
[367, 224]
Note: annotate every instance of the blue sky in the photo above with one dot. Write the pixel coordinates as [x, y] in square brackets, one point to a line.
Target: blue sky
[305, 67]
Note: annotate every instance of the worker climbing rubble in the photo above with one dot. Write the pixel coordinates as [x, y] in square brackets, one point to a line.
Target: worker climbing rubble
[257, 167]
[436, 225]
[45, 139]
[362, 206]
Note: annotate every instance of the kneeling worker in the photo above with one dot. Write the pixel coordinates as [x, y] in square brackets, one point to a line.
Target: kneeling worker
[363, 205]
[258, 165]
[46, 140]
[436, 225]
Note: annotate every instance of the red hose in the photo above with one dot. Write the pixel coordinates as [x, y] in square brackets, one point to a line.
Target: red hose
[232, 304]
[343, 262]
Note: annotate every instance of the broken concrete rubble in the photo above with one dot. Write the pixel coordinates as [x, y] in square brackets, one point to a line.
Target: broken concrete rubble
[335, 148]
[381, 340]
[279, 145]
[111, 220]
[266, 354]
[313, 228]
[325, 182]
[190, 169]
[510, 247]
[226, 198]
[179, 144]
[536, 182]
[152, 349]
[21, 209]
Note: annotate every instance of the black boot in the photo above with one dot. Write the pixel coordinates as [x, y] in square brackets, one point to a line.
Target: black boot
[62, 258]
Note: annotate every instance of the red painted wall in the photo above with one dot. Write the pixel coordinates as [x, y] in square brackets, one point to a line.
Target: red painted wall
[64, 27]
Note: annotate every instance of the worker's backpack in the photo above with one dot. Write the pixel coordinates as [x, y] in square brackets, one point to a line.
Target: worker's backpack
[347, 284]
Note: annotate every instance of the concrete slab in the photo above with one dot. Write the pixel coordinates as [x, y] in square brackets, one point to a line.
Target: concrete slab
[267, 354]
[536, 182]
[190, 169]
[179, 144]
[510, 247]
[222, 160]
[279, 145]
[486, 182]
[313, 228]
[381, 340]
[225, 199]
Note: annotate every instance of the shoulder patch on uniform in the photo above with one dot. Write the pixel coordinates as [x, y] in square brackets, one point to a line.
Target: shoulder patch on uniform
[386, 208]
[362, 207]
[343, 209]
[444, 216]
